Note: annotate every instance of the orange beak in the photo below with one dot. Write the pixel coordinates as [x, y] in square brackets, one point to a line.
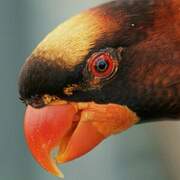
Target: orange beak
[75, 128]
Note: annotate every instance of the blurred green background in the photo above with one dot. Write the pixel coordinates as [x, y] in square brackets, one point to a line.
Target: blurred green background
[144, 152]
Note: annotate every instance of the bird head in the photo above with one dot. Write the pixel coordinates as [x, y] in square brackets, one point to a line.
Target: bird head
[88, 79]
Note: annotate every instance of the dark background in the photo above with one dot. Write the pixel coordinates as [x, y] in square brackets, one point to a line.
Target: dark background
[145, 152]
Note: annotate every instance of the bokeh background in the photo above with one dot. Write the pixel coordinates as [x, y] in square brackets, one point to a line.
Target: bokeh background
[144, 152]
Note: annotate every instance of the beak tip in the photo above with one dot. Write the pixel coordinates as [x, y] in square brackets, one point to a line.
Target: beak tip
[56, 171]
[60, 175]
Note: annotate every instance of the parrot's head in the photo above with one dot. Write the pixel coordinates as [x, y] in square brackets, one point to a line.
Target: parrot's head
[84, 81]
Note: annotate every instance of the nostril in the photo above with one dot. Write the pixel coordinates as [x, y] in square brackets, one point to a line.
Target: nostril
[36, 101]
[40, 76]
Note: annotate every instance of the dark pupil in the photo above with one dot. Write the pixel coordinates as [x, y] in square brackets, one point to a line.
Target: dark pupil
[101, 65]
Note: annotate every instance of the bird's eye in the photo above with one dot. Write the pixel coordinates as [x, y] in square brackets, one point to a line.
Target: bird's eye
[101, 65]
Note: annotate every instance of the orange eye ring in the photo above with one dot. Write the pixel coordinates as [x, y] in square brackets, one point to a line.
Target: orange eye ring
[102, 65]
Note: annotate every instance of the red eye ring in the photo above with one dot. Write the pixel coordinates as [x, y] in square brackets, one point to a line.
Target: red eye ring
[102, 65]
